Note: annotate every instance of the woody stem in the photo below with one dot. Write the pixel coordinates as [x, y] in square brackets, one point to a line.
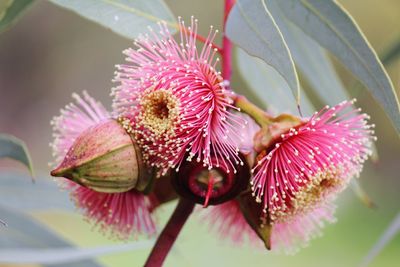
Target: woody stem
[170, 232]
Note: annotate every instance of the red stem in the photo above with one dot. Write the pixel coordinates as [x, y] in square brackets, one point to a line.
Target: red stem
[170, 232]
[185, 207]
[226, 44]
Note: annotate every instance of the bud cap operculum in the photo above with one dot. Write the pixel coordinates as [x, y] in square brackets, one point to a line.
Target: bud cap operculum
[104, 158]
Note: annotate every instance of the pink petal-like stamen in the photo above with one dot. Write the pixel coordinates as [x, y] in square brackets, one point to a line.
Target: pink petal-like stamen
[313, 161]
[121, 214]
[176, 101]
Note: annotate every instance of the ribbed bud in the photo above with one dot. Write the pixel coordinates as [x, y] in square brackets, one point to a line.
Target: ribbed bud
[106, 159]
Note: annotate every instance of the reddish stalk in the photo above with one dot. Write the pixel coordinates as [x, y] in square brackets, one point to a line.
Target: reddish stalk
[170, 232]
[185, 207]
[227, 45]
[258, 115]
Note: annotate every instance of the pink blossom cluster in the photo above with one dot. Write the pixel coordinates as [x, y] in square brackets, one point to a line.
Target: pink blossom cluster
[174, 102]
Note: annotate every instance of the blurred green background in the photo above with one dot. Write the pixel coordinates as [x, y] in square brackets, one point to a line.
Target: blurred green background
[51, 53]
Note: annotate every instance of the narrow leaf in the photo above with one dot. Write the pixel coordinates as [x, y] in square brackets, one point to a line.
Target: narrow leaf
[387, 236]
[18, 194]
[10, 10]
[66, 254]
[24, 232]
[266, 83]
[14, 148]
[311, 59]
[125, 17]
[251, 26]
[330, 25]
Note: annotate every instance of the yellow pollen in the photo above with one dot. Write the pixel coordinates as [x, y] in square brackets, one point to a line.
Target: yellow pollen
[323, 186]
[159, 111]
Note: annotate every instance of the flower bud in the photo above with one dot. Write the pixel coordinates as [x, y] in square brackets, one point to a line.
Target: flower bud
[211, 186]
[104, 158]
[280, 124]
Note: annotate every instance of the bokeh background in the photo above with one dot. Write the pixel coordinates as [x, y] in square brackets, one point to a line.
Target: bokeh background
[52, 52]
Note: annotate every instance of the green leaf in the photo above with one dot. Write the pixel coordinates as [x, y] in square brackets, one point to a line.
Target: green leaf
[311, 59]
[14, 148]
[251, 26]
[126, 17]
[10, 10]
[16, 193]
[330, 25]
[66, 255]
[268, 85]
[24, 232]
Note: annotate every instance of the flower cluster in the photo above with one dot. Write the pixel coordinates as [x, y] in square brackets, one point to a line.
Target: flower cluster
[175, 129]
[173, 103]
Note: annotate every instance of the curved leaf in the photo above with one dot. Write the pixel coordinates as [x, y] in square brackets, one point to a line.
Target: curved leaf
[311, 59]
[125, 17]
[14, 148]
[66, 254]
[18, 194]
[251, 26]
[330, 25]
[268, 85]
[23, 232]
[10, 10]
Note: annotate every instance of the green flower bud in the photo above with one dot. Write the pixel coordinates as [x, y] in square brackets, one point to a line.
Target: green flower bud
[105, 158]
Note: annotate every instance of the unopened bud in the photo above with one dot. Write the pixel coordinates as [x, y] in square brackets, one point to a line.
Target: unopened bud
[106, 159]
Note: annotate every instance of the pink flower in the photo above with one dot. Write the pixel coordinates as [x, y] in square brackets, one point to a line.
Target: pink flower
[245, 138]
[122, 214]
[176, 101]
[312, 162]
[229, 222]
[302, 169]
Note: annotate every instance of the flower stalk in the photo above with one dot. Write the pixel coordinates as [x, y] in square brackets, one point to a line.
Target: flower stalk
[259, 116]
[170, 233]
[226, 44]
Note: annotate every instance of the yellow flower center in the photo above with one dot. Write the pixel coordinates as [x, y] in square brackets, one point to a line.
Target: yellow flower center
[322, 186]
[159, 111]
